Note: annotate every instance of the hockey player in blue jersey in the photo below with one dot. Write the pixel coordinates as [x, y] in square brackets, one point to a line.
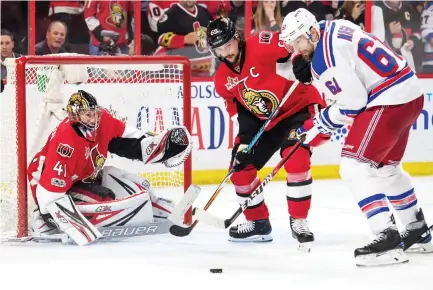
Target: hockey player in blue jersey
[368, 86]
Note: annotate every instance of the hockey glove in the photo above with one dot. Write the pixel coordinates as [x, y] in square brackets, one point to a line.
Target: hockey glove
[243, 158]
[302, 70]
[317, 130]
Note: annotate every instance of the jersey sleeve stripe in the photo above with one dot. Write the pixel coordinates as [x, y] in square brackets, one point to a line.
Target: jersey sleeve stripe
[313, 72]
[351, 113]
[391, 81]
[326, 119]
[323, 56]
[329, 56]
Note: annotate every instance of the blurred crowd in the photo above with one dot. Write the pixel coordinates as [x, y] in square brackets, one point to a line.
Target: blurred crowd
[178, 27]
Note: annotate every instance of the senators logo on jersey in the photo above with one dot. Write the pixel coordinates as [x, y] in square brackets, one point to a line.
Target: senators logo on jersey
[117, 16]
[261, 103]
[98, 161]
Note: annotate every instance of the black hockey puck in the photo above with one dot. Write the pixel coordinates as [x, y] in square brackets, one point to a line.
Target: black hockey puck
[216, 271]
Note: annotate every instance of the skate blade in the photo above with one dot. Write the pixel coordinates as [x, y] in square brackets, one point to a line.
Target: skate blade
[421, 248]
[253, 239]
[382, 259]
[304, 247]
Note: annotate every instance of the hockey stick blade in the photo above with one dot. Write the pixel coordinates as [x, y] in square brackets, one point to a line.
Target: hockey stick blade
[180, 231]
[212, 220]
[208, 218]
[184, 204]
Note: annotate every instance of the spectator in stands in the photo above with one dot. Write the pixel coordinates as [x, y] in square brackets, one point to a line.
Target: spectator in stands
[267, 16]
[14, 18]
[54, 39]
[352, 11]
[147, 45]
[427, 36]
[402, 30]
[71, 13]
[315, 7]
[216, 8]
[418, 6]
[331, 7]
[108, 15]
[182, 32]
[7, 51]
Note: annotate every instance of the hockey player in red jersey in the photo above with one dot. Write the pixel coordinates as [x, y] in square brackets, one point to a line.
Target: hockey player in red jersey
[69, 168]
[254, 77]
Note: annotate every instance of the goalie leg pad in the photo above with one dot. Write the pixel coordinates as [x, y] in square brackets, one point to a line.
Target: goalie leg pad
[125, 184]
[134, 210]
[72, 222]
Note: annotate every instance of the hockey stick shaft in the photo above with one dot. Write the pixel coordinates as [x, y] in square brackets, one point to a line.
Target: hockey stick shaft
[209, 219]
[181, 231]
[271, 116]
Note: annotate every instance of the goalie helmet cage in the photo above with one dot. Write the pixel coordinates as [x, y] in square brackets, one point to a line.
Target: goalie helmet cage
[159, 74]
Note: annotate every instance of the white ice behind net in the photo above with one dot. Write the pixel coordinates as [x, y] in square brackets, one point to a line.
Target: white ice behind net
[145, 96]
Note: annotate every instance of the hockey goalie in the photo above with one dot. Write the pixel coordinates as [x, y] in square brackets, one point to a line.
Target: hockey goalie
[71, 187]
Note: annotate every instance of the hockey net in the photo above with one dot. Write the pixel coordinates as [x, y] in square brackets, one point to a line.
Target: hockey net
[148, 93]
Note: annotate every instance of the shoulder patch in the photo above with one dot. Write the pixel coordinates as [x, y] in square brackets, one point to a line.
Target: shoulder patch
[65, 150]
[265, 37]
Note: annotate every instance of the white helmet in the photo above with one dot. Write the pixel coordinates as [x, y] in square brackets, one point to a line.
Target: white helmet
[297, 23]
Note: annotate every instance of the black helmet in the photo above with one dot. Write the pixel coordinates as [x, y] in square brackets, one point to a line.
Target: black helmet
[80, 103]
[220, 31]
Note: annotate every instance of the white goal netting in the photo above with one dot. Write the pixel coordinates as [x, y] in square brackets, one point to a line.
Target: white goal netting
[147, 96]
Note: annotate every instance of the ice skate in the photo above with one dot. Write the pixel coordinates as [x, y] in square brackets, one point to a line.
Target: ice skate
[385, 249]
[302, 234]
[417, 236]
[251, 231]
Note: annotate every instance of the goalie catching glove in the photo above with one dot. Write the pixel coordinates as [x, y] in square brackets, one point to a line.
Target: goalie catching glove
[171, 148]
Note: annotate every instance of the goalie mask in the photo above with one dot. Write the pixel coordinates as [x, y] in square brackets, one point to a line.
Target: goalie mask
[83, 108]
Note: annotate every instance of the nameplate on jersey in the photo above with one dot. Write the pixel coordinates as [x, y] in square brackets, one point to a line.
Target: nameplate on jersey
[65, 150]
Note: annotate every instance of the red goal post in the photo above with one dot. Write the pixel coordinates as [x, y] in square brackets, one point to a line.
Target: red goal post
[158, 74]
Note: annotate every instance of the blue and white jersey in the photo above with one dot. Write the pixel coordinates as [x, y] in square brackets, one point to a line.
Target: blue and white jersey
[427, 34]
[353, 70]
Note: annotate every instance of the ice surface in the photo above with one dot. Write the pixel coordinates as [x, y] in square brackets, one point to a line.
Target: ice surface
[168, 262]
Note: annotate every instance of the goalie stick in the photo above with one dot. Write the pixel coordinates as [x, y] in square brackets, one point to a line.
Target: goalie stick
[210, 219]
[180, 231]
[115, 232]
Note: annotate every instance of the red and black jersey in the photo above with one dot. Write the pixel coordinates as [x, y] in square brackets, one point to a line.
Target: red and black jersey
[256, 87]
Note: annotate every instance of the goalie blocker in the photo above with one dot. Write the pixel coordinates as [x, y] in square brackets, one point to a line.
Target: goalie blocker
[75, 152]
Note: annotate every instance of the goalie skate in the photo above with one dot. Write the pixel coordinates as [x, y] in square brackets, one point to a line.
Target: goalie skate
[385, 249]
[302, 234]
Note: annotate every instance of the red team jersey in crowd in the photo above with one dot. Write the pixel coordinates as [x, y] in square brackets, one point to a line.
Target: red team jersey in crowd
[264, 77]
[110, 15]
[67, 158]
